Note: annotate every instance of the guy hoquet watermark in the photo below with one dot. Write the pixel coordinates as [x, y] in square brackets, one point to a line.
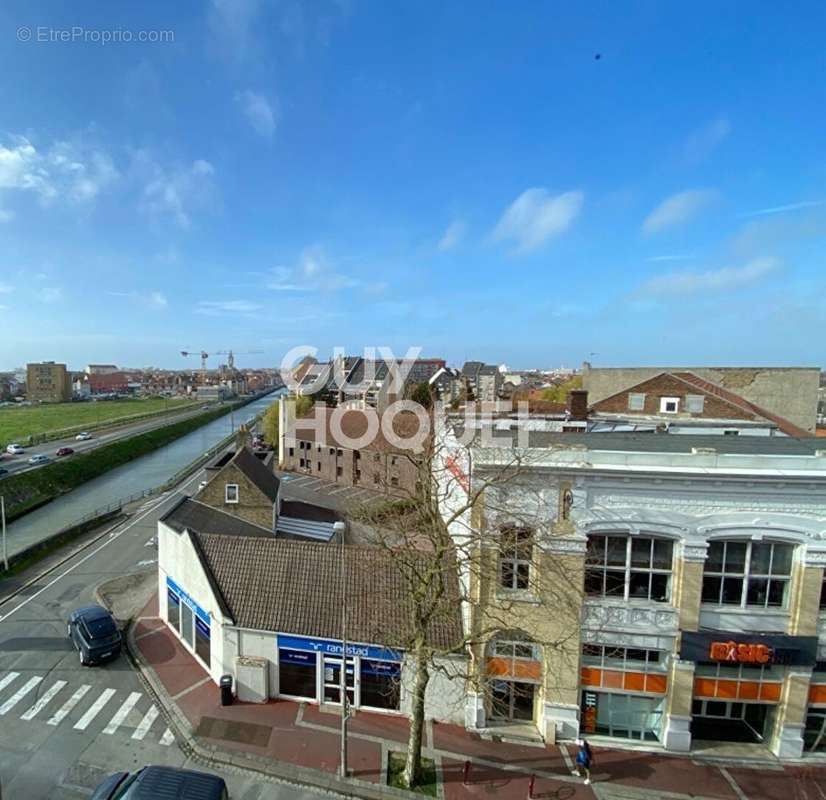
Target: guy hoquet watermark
[379, 367]
[43, 34]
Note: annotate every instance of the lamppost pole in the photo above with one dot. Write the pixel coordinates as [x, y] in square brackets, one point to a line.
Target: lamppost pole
[3, 522]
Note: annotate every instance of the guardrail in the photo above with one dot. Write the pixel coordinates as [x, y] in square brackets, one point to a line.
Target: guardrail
[120, 503]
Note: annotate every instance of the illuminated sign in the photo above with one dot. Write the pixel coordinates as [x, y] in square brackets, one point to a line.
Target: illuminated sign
[740, 652]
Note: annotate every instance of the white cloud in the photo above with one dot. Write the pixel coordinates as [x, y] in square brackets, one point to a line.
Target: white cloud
[50, 294]
[157, 300]
[68, 170]
[452, 236]
[686, 282]
[706, 139]
[5, 216]
[258, 111]
[312, 273]
[762, 212]
[223, 307]
[535, 216]
[678, 208]
[175, 192]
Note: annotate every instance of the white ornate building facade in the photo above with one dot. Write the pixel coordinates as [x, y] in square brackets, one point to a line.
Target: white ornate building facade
[653, 588]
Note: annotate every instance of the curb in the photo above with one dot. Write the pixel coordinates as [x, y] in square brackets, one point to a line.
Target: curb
[214, 755]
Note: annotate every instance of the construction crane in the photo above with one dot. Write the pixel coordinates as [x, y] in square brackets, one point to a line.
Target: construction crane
[230, 358]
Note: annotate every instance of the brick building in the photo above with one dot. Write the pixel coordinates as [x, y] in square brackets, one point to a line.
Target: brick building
[313, 447]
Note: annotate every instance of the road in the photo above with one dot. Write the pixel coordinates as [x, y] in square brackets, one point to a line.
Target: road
[65, 727]
[15, 464]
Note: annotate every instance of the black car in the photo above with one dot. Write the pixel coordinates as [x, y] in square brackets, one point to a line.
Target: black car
[153, 783]
[95, 634]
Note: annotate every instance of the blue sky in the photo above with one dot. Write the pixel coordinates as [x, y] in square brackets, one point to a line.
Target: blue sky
[465, 177]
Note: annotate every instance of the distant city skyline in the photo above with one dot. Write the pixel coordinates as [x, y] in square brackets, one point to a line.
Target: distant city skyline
[359, 173]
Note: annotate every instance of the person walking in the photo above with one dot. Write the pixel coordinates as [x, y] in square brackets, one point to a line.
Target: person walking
[584, 760]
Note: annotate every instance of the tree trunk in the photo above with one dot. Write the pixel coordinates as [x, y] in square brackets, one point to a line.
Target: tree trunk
[413, 764]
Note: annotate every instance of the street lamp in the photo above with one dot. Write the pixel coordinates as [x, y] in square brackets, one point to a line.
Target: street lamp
[340, 528]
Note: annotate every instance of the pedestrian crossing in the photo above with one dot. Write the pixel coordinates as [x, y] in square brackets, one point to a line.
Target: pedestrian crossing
[120, 712]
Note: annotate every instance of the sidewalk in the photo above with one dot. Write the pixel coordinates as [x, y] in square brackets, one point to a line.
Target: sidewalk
[300, 742]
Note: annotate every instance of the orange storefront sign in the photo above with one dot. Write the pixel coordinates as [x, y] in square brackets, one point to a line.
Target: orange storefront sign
[740, 652]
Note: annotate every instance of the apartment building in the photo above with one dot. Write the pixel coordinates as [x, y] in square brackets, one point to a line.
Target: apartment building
[48, 382]
[483, 380]
[325, 445]
[657, 589]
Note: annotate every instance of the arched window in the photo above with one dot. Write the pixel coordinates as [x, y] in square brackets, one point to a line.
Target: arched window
[629, 567]
[747, 574]
[515, 552]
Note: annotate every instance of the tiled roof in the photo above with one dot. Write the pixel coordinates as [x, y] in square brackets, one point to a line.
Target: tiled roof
[295, 587]
[263, 477]
[189, 514]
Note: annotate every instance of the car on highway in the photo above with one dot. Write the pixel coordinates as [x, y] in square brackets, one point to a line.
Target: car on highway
[83, 437]
[64, 451]
[152, 783]
[15, 450]
[94, 633]
[41, 458]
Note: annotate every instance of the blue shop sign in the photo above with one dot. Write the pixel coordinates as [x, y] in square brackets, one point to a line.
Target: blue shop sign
[332, 648]
[199, 612]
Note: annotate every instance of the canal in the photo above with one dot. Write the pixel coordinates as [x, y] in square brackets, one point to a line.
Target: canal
[142, 474]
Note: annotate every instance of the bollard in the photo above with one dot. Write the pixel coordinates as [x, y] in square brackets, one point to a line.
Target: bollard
[466, 773]
[531, 786]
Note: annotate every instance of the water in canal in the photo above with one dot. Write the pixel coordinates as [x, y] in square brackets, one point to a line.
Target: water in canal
[145, 473]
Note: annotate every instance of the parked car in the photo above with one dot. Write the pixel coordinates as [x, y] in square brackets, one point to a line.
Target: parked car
[94, 633]
[83, 437]
[151, 783]
[202, 485]
[15, 450]
[41, 458]
[64, 451]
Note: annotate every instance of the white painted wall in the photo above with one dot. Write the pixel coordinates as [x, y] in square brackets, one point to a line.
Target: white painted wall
[445, 697]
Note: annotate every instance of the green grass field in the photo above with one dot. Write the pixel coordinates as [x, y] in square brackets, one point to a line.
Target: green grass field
[17, 424]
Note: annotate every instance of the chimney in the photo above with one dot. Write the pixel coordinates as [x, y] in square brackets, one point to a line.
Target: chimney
[578, 405]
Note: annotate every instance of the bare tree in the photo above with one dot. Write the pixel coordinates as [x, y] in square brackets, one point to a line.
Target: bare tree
[466, 551]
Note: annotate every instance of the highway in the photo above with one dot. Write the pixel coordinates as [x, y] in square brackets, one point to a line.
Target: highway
[142, 474]
[65, 727]
[15, 464]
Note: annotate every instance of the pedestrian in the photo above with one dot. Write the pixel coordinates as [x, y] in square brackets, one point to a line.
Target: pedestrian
[584, 760]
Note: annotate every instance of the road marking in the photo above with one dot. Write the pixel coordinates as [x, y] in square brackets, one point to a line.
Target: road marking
[146, 723]
[74, 566]
[94, 710]
[19, 694]
[340, 489]
[122, 712]
[69, 705]
[8, 679]
[167, 738]
[43, 701]
[733, 783]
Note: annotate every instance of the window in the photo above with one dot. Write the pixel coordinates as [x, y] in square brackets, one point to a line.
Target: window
[297, 673]
[636, 401]
[515, 551]
[339, 453]
[694, 403]
[392, 461]
[394, 481]
[173, 609]
[377, 457]
[332, 451]
[731, 433]
[747, 574]
[628, 567]
[630, 659]
[339, 472]
[519, 650]
[376, 477]
[291, 451]
[301, 462]
[231, 493]
[380, 684]
[669, 405]
[823, 593]
[318, 466]
[202, 639]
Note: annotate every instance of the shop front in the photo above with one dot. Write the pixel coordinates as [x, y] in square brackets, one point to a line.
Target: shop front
[814, 735]
[189, 620]
[738, 682]
[310, 669]
[514, 674]
[622, 691]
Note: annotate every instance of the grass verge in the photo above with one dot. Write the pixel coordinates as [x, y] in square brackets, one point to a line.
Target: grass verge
[28, 490]
[395, 768]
